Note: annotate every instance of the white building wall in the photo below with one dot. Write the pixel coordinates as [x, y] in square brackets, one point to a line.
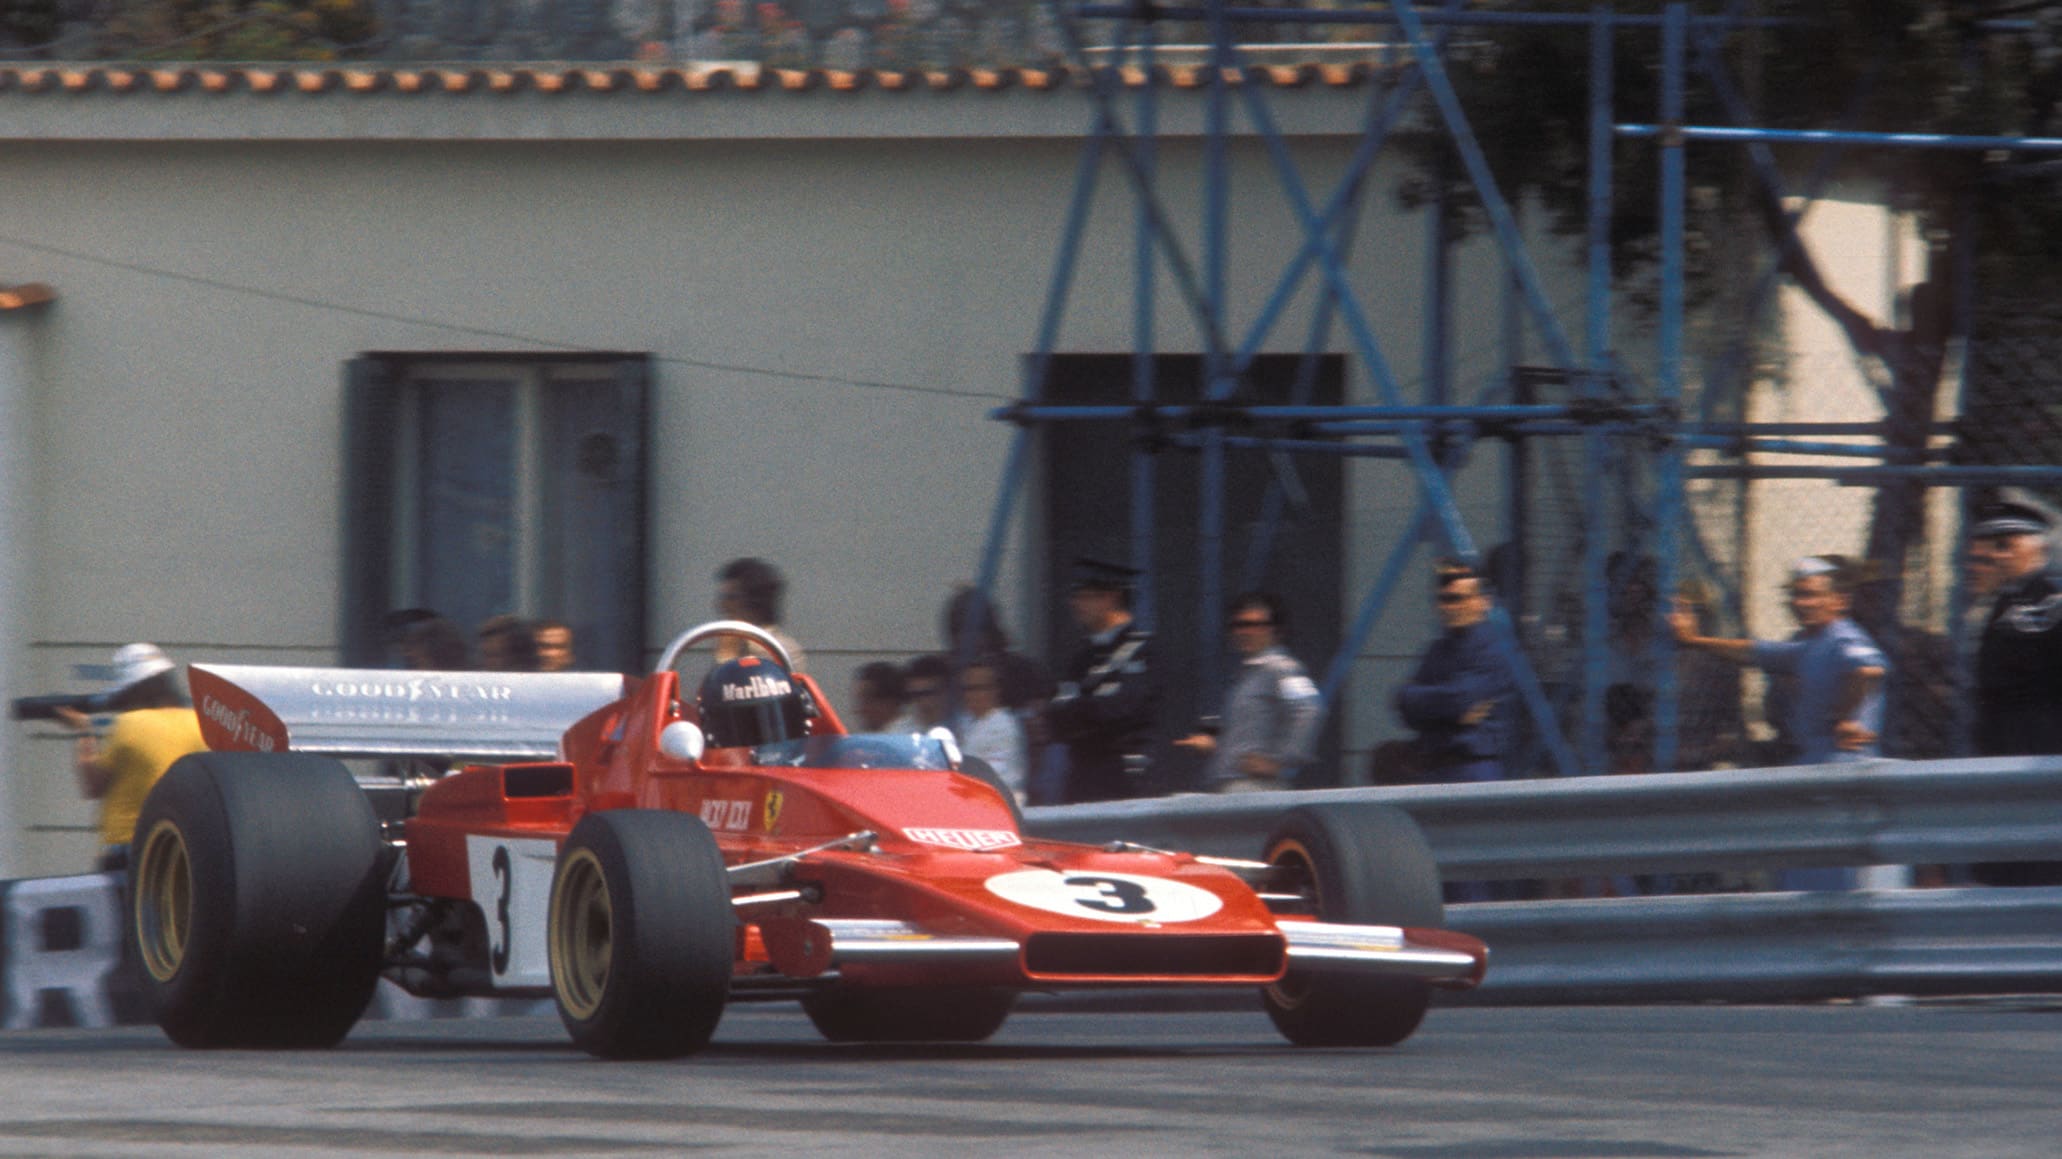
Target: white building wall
[835, 291]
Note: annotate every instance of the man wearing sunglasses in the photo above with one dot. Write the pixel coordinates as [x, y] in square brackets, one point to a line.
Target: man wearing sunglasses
[1455, 700]
[1270, 716]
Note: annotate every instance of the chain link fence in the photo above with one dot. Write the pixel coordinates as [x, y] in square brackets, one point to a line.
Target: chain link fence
[1747, 525]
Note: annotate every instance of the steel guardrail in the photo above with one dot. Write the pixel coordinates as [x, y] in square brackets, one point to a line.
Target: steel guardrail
[1721, 946]
[1871, 813]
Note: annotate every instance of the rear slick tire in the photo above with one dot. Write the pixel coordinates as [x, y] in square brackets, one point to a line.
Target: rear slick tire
[258, 905]
[1358, 864]
[641, 934]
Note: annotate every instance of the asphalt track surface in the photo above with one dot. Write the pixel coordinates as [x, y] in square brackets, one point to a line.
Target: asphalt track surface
[1488, 1083]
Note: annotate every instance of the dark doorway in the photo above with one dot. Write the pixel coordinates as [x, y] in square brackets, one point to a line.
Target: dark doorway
[1087, 512]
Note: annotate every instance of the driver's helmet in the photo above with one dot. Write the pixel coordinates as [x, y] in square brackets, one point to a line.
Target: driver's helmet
[749, 701]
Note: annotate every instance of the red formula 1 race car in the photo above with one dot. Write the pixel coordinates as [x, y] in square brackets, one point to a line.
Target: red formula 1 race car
[646, 858]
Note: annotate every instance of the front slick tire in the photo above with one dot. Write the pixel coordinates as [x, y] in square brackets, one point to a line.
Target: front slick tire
[1359, 864]
[259, 900]
[641, 934]
[909, 1015]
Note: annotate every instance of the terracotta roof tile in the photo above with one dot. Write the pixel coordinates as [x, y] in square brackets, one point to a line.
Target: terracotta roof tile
[626, 80]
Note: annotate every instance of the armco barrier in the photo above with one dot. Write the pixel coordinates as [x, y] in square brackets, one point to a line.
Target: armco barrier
[1745, 947]
[62, 951]
[61, 961]
[59, 956]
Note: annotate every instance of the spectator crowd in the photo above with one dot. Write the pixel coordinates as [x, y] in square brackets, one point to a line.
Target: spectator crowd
[1088, 727]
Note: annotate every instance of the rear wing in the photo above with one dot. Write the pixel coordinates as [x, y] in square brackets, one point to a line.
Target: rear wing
[381, 712]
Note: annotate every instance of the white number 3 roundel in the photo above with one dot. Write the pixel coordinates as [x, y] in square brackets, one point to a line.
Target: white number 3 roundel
[1106, 897]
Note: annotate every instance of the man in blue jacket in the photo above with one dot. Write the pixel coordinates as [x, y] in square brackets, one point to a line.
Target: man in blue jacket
[1835, 711]
[1458, 699]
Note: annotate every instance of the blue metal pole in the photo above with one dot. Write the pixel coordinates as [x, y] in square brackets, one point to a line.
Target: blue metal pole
[1343, 195]
[1928, 475]
[1340, 212]
[1498, 210]
[1403, 414]
[1034, 378]
[1144, 508]
[1756, 429]
[1669, 508]
[1101, 92]
[1730, 370]
[1516, 530]
[1761, 446]
[1218, 379]
[1301, 446]
[1437, 492]
[1961, 597]
[1261, 548]
[1597, 334]
[1597, 452]
[1844, 137]
[1437, 282]
[1372, 605]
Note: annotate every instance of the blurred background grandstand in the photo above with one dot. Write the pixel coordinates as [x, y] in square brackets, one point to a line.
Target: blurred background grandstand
[828, 34]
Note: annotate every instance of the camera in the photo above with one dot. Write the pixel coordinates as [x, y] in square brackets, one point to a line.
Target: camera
[46, 707]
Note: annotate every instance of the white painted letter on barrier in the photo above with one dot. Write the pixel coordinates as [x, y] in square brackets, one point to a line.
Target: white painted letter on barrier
[80, 972]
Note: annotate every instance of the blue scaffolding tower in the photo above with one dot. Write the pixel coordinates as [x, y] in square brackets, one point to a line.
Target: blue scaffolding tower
[1609, 412]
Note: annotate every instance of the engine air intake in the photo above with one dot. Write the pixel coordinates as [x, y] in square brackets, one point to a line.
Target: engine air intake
[1130, 955]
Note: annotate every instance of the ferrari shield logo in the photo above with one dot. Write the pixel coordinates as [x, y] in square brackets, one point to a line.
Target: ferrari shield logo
[774, 801]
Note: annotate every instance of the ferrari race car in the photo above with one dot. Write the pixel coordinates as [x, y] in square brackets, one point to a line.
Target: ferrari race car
[646, 857]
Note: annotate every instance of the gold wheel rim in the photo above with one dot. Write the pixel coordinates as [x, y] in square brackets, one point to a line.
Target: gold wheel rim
[581, 934]
[1291, 993]
[164, 901]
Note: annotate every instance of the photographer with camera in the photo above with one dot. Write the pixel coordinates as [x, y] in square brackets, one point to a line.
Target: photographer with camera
[154, 726]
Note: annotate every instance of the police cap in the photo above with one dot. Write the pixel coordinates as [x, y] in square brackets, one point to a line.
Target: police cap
[1095, 575]
[2001, 518]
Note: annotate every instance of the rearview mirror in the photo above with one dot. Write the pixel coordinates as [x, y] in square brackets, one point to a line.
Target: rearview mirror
[683, 740]
[943, 736]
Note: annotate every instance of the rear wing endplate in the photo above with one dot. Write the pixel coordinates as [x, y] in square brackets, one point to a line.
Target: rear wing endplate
[380, 712]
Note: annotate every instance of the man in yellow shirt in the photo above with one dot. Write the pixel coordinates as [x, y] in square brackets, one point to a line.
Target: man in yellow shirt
[154, 726]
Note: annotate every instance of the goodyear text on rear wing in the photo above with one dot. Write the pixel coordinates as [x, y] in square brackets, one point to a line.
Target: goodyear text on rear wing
[380, 712]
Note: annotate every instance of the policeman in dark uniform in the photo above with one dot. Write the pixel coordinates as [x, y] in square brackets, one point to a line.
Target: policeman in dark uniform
[2018, 685]
[1107, 705]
